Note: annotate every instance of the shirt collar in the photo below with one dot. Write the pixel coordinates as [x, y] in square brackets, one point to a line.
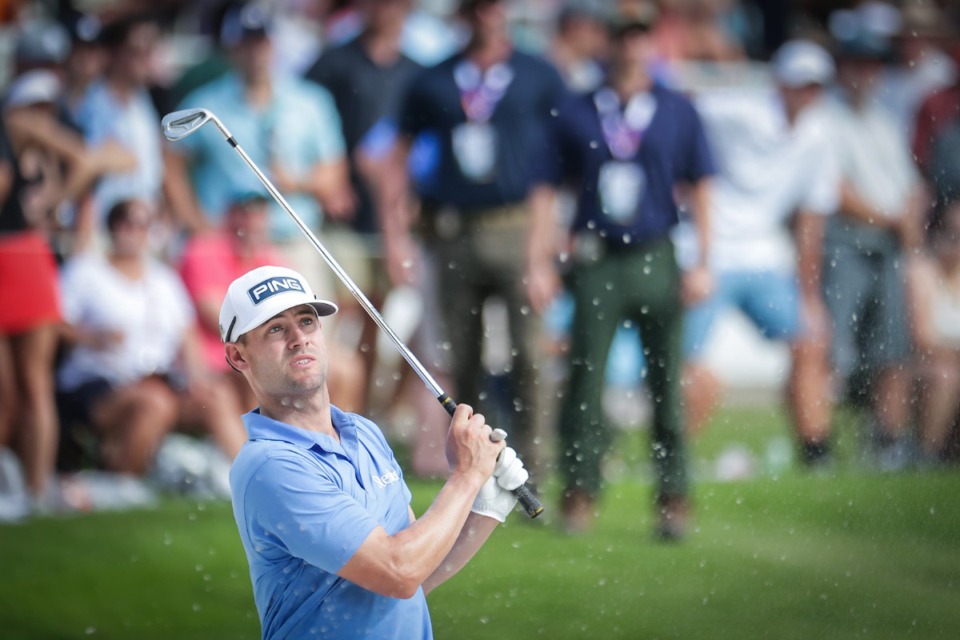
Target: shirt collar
[260, 427]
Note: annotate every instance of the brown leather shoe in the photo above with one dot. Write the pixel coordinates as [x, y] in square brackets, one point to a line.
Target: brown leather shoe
[578, 512]
[673, 518]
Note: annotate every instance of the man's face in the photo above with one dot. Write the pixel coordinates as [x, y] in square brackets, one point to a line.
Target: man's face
[130, 236]
[249, 222]
[137, 52]
[796, 99]
[489, 18]
[860, 76]
[636, 49]
[285, 357]
[382, 14]
[254, 56]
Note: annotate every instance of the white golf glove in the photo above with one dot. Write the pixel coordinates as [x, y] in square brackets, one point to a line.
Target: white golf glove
[496, 499]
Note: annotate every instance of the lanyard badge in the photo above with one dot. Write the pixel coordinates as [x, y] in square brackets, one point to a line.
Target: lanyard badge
[622, 180]
[475, 141]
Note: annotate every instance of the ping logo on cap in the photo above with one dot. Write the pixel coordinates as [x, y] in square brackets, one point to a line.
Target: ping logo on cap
[272, 286]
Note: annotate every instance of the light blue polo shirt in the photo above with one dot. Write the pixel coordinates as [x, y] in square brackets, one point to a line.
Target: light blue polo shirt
[304, 504]
[298, 129]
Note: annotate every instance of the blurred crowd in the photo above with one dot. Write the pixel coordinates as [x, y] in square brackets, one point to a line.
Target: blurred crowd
[517, 185]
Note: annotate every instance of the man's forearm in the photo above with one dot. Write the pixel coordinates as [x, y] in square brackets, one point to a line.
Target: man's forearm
[809, 239]
[398, 565]
[540, 246]
[700, 202]
[472, 536]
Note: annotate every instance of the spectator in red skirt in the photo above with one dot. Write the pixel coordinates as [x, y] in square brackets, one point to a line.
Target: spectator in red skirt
[29, 318]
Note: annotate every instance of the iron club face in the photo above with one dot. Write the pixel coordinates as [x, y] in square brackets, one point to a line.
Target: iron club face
[179, 124]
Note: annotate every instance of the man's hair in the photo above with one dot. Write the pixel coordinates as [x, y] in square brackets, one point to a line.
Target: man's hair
[467, 7]
[115, 34]
[118, 214]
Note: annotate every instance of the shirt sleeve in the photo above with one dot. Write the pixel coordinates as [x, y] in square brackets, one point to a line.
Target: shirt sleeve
[307, 513]
[73, 290]
[322, 71]
[549, 169]
[414, 107]
[822, 196]
[330, 144]
[699, 163]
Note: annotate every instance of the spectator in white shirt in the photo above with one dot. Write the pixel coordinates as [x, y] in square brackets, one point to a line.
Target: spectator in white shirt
[883, 202]
[134, 371]
[776, 184]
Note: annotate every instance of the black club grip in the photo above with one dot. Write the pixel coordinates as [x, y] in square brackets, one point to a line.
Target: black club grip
[530, 503]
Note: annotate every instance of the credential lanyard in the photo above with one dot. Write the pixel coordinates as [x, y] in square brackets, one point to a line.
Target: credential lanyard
[623, 132]
[481, 91]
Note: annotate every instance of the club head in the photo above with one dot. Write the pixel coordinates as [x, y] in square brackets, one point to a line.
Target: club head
[180, 124]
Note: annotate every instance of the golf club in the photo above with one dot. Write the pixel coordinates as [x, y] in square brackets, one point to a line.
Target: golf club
[180, 124]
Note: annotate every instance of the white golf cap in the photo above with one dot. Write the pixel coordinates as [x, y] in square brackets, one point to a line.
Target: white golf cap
[259, 295]
[38, 86]
[799, 63]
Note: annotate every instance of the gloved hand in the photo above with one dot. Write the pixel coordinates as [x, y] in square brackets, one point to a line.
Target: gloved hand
[496, 499]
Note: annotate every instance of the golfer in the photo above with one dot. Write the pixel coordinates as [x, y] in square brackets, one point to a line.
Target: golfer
[324, 514]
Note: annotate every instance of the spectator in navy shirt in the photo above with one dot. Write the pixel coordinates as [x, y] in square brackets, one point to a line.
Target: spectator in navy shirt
[486, 111]
[627, 146]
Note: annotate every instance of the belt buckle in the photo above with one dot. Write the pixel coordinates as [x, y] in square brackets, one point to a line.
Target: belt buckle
[588, 247]
[447, 223]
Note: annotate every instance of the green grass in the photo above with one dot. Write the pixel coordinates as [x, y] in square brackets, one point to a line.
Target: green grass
[850, 554]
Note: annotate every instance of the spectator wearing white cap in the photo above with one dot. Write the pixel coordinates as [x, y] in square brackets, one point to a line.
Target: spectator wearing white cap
[777, 182]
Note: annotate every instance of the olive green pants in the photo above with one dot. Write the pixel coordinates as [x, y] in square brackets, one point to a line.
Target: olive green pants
[643, 286]
[481, 261]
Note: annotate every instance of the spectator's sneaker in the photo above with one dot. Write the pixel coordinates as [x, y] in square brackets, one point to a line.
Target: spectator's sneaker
[673, 519]
[91, 490]
[14, 500]
[579, 512]
[895, 455]
[816, 456]
[192, 467]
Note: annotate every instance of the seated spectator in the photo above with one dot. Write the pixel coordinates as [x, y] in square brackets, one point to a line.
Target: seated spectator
[133, 371]
[934, 286]
[212, 259]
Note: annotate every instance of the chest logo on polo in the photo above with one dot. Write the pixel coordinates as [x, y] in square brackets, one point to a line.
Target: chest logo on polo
[388, 478]
[272, 286]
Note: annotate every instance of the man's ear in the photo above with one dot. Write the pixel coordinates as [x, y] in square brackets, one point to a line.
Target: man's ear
[235, 357]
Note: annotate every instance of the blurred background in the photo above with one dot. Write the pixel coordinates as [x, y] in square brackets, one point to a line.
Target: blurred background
[116, 247]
